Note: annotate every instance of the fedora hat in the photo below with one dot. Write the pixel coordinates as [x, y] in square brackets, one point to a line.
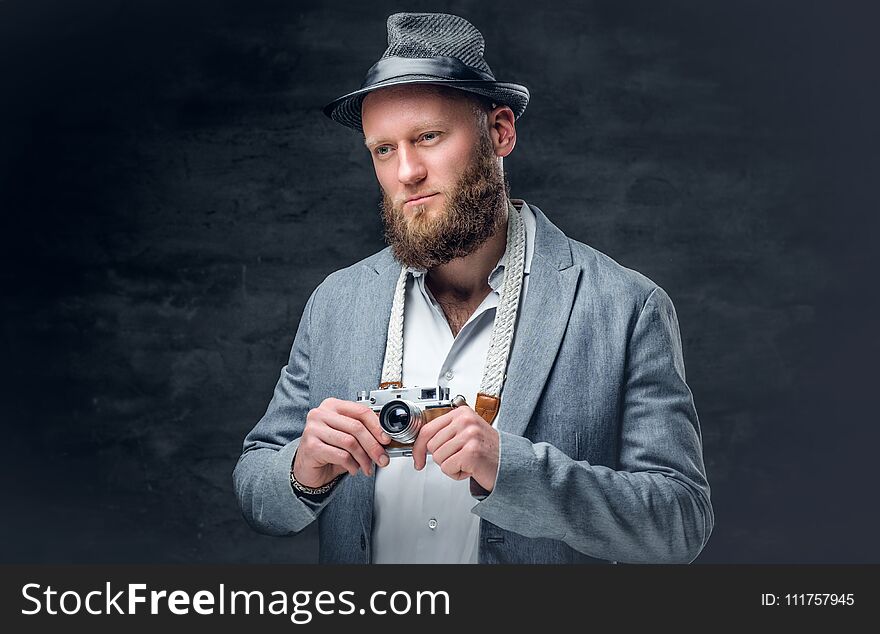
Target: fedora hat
[430, 48]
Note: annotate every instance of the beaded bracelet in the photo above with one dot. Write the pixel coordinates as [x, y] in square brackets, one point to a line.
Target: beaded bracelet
[321, 490]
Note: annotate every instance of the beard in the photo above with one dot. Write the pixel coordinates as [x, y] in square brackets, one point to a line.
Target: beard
[475, 208]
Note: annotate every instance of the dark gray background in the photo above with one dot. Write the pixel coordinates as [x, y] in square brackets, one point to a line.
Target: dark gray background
[171, 194]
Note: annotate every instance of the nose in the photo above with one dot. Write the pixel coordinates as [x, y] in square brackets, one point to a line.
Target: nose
[410, 167]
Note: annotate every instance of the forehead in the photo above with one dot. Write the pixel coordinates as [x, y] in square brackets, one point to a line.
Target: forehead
[390, 109]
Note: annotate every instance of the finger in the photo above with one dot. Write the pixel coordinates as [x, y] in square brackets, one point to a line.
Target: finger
[328, 454]
[365, 415]
[452, 466]
[348, 443]
[442, 436]
[356, 429]
[448, 448]
[426, 433]
[314, 453]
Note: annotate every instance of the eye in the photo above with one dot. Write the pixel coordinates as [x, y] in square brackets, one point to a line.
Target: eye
[382, 150]
[430, 136]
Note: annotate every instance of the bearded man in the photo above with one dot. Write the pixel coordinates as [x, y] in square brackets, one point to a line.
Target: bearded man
[574, 437]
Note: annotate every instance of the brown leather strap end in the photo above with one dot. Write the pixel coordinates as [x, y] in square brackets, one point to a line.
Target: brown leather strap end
[487, 407]
[384, 385]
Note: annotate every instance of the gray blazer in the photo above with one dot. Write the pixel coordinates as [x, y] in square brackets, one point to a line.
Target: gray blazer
[600, 453]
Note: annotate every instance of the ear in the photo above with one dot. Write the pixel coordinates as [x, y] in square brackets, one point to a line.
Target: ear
[502, 129]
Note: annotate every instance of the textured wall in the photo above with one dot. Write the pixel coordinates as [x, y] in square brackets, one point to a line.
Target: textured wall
[171, 194]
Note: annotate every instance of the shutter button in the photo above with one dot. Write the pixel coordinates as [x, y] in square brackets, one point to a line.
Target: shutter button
[432, 523]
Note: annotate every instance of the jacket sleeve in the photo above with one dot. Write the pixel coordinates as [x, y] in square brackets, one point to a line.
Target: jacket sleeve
[262, 475]
[656, 507]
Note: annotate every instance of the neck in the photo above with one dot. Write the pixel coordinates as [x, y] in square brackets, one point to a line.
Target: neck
[466, 278]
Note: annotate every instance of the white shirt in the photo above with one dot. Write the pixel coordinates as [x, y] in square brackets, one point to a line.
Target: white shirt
[425, 516]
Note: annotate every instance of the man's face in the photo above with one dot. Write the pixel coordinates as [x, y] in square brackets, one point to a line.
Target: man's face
[443, 191]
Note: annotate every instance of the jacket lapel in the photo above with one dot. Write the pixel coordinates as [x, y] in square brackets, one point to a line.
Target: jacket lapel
[371, 332]
[370, 327]
[541, 324]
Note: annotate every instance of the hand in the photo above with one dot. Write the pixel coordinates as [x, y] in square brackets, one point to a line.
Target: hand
[462, 443]
[339, 436]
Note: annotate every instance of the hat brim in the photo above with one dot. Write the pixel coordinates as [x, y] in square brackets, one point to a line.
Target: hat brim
[347, 109]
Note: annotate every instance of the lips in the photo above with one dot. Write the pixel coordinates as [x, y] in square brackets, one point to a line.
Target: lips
[420, 199]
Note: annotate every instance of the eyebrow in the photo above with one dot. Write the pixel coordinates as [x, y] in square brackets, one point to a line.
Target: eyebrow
[422, 125]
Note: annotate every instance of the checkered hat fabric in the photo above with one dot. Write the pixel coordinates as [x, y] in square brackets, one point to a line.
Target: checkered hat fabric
[430, 48]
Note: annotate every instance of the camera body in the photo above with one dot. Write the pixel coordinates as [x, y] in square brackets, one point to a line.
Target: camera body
[403, 411]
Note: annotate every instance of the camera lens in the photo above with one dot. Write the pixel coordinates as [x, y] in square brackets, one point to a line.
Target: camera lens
[396, 419]
[401, 420]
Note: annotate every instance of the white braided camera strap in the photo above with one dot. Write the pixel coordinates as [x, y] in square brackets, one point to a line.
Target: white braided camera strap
[505, 316]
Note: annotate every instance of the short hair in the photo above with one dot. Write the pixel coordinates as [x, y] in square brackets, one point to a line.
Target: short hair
[481, 107]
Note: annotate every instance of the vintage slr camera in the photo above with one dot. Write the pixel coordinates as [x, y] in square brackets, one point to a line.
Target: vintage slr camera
[403, 411]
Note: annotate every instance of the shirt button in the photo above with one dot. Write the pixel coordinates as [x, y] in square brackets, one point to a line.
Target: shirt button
[432, 523]
[449, 375]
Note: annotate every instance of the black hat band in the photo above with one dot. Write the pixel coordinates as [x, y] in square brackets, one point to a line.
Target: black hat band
[444, 67]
